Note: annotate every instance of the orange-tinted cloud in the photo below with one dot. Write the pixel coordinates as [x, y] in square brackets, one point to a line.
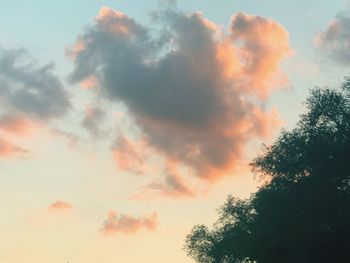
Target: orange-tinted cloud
[190, 91]
[60, 206]
[116, 22]
[16, 124]
[73, 51]
[89, 83]
[8, 149]
[121, 223]
[263, 44]
[130, 155]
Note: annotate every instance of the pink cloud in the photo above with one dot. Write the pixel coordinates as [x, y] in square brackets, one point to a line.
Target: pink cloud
[121, 223]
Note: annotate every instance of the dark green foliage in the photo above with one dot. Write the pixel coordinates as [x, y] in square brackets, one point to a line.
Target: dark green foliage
[302, 214]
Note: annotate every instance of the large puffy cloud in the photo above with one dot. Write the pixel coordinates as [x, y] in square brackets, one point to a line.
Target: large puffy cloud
[189, 88]
[116, 223]
[335, 40]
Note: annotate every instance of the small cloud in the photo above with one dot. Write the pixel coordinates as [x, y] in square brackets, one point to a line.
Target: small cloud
[121, 223]
[60, 206]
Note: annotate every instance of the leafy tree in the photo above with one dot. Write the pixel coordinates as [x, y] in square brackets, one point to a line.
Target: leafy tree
[302, 213]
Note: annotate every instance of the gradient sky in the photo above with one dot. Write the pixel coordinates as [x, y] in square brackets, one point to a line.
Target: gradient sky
[125, 123]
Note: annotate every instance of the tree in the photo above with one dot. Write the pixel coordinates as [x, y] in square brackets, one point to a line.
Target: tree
[302, 213]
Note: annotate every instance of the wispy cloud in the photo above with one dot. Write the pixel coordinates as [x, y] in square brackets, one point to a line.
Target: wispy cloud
[8, 149]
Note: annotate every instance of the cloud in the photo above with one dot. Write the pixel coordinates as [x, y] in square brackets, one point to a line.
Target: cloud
[60, 206]
[29, 89]
[89, 83]
[30, 95]
[335, 40]
[92, 120]
[189, 89]
[120, 223]
[71, 138]
[15, 124]
[263, 44]
[173, 185]
[130, 155]
[9, 149]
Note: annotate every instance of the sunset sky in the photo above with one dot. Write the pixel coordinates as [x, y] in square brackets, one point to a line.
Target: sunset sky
[125, 123]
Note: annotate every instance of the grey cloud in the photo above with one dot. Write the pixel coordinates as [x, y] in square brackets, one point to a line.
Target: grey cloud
[92, 120]
[335, 40]
[28, 88]
[165, 89]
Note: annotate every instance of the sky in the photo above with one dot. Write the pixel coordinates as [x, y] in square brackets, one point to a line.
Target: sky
[125, 123]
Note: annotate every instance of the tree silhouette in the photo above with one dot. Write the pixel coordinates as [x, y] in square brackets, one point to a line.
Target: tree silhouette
[302, 213]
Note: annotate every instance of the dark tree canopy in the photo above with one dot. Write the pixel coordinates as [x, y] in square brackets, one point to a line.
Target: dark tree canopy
[302, 214]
